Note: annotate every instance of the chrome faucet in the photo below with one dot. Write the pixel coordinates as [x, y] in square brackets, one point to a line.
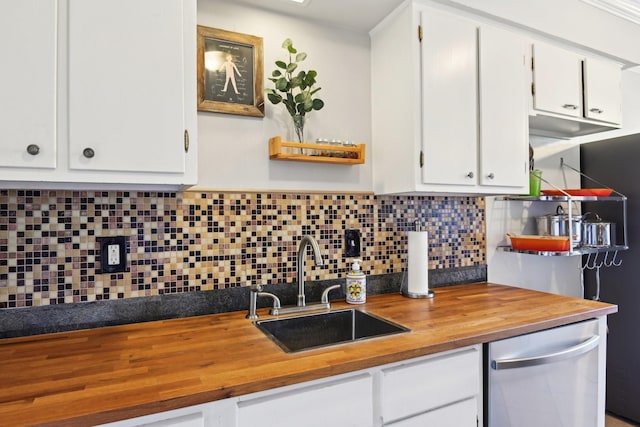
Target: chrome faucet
[306, 240]
[301, 306]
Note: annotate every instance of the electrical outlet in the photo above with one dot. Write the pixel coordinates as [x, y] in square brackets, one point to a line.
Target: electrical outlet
[352, 243]
[113, 254]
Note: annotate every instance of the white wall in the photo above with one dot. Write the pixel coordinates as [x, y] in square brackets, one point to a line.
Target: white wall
[234, 151]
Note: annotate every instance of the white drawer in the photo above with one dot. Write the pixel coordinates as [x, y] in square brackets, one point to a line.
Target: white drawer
[461, 414]
[430, 383]
[346, 402]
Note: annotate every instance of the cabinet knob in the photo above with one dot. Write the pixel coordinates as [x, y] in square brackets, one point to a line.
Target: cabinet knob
[33, 149]
[570, 106]
[491, 176]
[596, 110]
[88, 153]
[470, 175]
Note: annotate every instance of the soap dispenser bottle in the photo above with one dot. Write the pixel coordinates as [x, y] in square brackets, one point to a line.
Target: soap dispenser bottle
[356, 284]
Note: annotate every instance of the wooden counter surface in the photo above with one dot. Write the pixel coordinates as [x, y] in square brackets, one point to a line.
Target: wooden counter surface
[107, 374]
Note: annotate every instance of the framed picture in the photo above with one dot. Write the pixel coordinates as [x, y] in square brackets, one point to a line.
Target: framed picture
[230, 72]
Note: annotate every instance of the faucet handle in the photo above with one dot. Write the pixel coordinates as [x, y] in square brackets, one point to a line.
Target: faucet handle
[324, 298]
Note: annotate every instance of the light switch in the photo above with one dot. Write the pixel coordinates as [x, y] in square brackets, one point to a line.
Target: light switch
[352, 243]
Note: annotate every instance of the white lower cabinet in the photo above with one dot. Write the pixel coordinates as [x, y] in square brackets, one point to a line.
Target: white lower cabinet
[219, 414]
[443, 389]
[424, 388]
[343, 402]
[457, 414]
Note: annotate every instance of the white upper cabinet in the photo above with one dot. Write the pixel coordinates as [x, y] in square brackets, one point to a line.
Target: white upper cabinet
[573, 95]
[557, 78]
[28, 35]
[504, 128]
[108, 87]
[450, 107]
[602, 91]
[126, 91]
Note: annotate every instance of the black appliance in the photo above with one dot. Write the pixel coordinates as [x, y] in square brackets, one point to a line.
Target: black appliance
[616, 163]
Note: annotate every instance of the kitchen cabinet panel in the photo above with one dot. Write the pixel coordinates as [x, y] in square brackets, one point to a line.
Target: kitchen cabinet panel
[214, 414]
[167, 419]
[424, 385]
[28, 83]
[459, 414]
[344, 402]
[442, 128]
[105, 89]
[126, 91]
[557, 77]
[573, 95]
[449, 87]
[602, 91]
[504, 128]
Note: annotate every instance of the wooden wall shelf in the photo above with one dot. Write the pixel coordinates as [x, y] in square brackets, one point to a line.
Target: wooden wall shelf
[320, 153]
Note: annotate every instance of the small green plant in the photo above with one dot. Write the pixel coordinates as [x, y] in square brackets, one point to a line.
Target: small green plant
[294, 88]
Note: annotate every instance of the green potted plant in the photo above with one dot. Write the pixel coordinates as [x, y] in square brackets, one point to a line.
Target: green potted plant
[294, 88]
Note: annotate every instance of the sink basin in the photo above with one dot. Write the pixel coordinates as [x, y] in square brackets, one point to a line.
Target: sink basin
[300, 333]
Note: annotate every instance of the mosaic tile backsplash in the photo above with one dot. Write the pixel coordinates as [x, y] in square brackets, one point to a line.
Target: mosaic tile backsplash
[191, 241]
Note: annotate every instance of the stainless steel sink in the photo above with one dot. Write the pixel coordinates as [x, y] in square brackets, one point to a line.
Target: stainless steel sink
[299, 333]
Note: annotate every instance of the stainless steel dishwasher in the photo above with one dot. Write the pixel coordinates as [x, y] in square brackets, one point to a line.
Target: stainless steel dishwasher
[552, 378]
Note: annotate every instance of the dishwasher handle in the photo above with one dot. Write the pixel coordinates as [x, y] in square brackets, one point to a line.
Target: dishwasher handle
[544, 359]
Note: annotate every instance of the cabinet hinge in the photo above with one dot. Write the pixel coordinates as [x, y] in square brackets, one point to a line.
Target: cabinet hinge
[533, 89]
[421, 158]
[186, 141]
[420, 33]
[533, 63]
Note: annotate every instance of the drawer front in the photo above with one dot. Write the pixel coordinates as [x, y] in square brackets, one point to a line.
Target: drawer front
[461, 414]
[345, 402]
[421, 386]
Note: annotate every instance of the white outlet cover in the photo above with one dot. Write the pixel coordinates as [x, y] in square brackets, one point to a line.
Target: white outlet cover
[113, 254]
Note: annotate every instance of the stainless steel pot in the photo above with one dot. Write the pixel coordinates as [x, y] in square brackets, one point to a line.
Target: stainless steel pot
[558, 225]
[598, 233]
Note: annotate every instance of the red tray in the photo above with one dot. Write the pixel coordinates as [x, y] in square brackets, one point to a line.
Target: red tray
[540, 243]
[598, 192]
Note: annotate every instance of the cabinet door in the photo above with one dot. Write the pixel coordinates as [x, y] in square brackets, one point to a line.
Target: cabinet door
[449, 99]
[602, 92]
[344, 402]
[126, 85]
[28, 34]
[557, 77]
[504, 136]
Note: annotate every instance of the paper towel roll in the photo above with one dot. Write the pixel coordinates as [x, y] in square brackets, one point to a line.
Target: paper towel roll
[418, 263]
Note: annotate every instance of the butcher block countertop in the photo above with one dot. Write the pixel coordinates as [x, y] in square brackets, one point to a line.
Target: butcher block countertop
[106, 374]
